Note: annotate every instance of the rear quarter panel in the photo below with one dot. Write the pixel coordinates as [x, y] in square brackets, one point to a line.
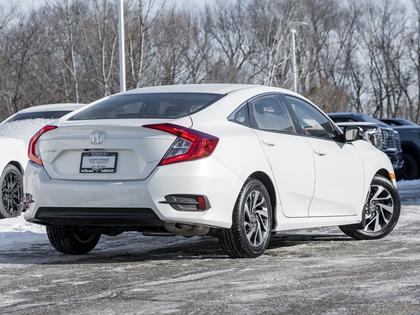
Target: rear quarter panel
[12, 149]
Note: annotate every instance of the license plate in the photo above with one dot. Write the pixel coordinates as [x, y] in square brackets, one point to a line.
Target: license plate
[98, 162]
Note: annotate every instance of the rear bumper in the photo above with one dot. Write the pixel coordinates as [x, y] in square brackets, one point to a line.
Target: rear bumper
[135, 203]
[98, 216]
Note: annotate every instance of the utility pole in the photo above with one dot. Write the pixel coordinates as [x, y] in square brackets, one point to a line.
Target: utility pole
[121, 41]
[294, 52]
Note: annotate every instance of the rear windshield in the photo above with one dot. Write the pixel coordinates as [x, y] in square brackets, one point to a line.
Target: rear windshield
[36, 115]
[153, 105]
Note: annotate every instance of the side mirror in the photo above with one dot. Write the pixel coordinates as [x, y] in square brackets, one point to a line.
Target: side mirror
[352, 133]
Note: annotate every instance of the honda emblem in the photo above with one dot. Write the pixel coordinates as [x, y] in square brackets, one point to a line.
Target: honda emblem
[97, 137]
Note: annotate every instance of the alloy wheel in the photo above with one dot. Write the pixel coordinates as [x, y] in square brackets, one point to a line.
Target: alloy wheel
[379, 208]
[256, 218]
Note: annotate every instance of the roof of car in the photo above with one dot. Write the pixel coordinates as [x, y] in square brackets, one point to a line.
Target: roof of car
[52, 107]
[346, 114]
[197, 88]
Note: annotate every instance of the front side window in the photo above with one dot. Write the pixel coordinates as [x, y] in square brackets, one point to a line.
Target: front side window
[312, 121]
[268, 113]
[150, 105]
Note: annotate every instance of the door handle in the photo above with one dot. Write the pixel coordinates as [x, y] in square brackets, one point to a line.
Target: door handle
[269, 142]
[320, 152]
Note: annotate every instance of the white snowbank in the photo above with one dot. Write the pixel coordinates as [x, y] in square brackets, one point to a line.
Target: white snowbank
[16, 233]
[408, 184]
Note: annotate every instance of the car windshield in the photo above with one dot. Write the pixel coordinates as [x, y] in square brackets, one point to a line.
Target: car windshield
[374, 120]
[150, 105]
[37, 115]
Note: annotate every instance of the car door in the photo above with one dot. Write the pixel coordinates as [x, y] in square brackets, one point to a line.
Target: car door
[339, 174]
[289, 154]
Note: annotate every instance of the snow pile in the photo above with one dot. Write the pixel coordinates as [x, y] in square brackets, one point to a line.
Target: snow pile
[15, 232]
[408, 184]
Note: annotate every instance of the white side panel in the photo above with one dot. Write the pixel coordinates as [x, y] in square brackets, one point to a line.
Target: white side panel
[292, 164]
[339, 183]
[12, 150]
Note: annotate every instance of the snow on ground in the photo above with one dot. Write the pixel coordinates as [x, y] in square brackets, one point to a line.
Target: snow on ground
[16, 233]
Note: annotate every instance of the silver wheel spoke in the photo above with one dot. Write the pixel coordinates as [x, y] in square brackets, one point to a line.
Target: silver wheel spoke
[380, 208]
[256, 218]
[389, 209]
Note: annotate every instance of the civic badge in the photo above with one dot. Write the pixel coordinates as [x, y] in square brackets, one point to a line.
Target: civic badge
[97, 137]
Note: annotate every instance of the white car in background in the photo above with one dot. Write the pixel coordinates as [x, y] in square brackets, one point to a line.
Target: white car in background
[237, 161]
[15, 133]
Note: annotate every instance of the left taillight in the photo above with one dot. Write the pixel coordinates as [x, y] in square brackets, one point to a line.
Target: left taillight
[190, 144]
[33, 148]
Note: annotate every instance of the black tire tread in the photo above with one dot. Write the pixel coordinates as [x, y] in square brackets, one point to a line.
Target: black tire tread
[3, 213]
[360, 234]
[231, 240]
[60, 237]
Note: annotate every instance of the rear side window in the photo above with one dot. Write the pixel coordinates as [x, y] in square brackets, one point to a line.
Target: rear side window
[150, 105]
[268, 113]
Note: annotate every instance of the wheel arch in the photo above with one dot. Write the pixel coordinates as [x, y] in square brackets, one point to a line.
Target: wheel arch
[383, 172]
[18, 165]
[268, 183]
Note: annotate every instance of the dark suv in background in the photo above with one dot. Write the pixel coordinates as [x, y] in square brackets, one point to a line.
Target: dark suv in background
[380, 134]
[410, 144]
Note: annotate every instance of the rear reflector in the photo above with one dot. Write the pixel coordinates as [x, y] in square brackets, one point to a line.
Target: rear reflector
[187, 202]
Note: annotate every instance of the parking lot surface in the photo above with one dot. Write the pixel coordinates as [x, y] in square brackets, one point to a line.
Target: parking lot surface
[318, 271]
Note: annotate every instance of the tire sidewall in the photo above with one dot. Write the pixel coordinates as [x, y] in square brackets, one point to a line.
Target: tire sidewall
[3, 212]
[239, 216]
[387, 184]
[411, 166]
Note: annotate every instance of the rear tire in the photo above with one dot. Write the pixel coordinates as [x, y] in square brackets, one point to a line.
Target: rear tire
[250, 233]
[381, 211]
[70, 239]
[11, 193]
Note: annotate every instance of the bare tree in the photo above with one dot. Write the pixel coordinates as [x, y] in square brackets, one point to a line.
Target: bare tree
[233, 41]
[99, 44]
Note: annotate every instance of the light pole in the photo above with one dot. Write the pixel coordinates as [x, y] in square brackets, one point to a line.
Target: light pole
[121, 41]
[294, 51]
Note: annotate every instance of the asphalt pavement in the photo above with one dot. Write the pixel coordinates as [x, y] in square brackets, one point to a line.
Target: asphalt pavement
[317, 271]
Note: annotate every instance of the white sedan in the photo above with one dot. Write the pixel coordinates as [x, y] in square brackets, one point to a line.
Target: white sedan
[237, 161]
[15, 133]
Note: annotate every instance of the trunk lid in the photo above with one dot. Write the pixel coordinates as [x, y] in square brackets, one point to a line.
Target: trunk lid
[75, 151]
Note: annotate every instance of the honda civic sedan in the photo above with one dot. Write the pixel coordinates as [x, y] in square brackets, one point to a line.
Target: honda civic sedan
[239, 162]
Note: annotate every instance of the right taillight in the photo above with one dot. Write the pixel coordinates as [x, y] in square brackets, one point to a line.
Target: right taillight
[33, 148]
[190, 145]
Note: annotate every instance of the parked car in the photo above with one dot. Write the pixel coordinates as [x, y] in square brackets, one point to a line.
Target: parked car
[15, 133]
[380, 134]
[393, 122]
[410, 144]
[237, 161]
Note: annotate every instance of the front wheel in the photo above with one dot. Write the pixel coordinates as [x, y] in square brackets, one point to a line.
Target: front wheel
[250, 233]
[71, 239]
[410, 169]
[11, 192]
[381, 211]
